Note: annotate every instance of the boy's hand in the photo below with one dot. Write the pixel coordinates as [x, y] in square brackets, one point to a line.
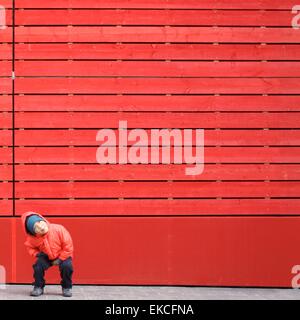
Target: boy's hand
[56, 262]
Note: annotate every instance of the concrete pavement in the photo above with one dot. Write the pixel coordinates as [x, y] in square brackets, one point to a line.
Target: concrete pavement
[21, 292]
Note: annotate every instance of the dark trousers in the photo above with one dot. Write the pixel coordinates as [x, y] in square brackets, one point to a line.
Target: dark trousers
[43, 263]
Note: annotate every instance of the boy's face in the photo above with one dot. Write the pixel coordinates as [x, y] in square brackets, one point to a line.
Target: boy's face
[41, 228]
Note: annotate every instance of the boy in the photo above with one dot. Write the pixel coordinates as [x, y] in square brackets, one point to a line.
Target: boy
[52, 245]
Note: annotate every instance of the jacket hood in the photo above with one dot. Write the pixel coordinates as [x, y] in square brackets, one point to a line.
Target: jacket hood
[28, 214]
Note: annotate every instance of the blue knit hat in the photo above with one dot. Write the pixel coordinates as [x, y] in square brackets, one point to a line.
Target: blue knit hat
[30, 222]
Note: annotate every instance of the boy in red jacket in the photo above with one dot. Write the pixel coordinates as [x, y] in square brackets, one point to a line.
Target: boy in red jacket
[52, 245]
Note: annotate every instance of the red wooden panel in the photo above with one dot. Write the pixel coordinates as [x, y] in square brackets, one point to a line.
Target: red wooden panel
[152, 103]
[5, 137]
[153, 17]
[153, 69]
[5, 51]
[157, 172]
[5, 172]
[160, 4]
[5, 120]
[141, 207]
[5, 190]
[5, 155]
[211, 138]
[5, 86]
[246, 247]
[156, 120]
[156, 51]
[5, 68]
[6, 34]
[6, 209]
[247, 251]
[6, 3]
[5, 140]
[5, 102]
[157, 85]
[7, 242]
[211, 154]
[153, 34]
[254, 255]
[8, 15]
[144, 189]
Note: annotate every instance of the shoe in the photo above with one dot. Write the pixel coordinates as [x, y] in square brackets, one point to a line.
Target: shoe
[36, 292]
[67, 293]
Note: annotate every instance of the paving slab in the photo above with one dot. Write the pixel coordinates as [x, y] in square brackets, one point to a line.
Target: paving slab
[53, 292]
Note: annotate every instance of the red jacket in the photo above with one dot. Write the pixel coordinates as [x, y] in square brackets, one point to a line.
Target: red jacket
[56, 243]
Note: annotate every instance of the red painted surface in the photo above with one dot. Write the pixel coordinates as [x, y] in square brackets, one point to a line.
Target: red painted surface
[155, 17]
[186, 51]
[182, 120]
[7, 245]
[212, 154]
[154, 103]
[229, 137]
[158, 86]
[158, 172]
[6, 169]
[192, 251]
[155, 69]
[6, 208]
[215, 68]
[156, 207]
[153, 34]
[161, 4]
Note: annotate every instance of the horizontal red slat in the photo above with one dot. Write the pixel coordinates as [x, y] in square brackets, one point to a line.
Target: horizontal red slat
[143, 189]
[6, 3]
[5, 51]
[155, 120]
[5, 86]
[6, 34]
[212, 155]
[152, 69]
[5, 120]
[150, 103]
[5, 102]
[161, 4]
[5, 68]
[161, 207]
[153, 34]
[6, 190]
[6, 209]
[153, 17]
[5, 172]
[7, 14]
[157, 86]
[211, 138]
[5, 137]
[5, 155]
[157, 51]
[156, 172]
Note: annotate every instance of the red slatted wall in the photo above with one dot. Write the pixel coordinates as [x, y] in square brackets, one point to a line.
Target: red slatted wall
[227, 66]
